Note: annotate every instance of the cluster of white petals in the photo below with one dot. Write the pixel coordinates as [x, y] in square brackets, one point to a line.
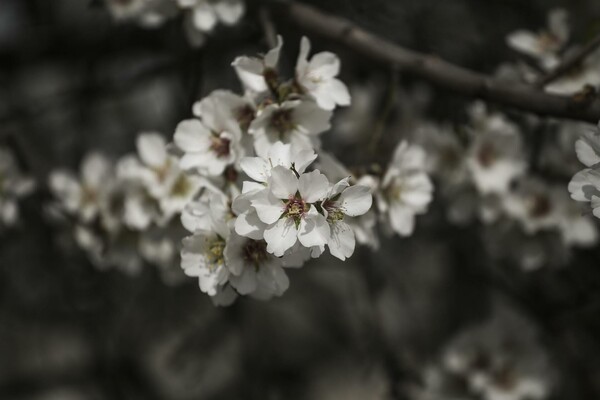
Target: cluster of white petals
[14, 185]
[200, 17]
[548, 48]
[585, 185]
[126, 212]
[245, 232]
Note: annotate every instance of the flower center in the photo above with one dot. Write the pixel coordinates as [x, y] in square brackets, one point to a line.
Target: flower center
[548, 42]
[255, 252]
[220, 146]
[282, 121]
[88, 195]
[540, 206]
[214, 253]
[295, 207]
[162, 171]
[181, 187]
[487, 155]
[334, 213]
[244, 116]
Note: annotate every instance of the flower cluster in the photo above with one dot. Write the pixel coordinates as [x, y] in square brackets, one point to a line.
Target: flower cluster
[245, 232]
[487, 361]
[548, 48]
[200, 16]
[14, 185]
[483, 172]
[126, 214]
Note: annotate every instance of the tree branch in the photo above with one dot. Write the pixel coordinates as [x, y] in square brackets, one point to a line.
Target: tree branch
[570, 62]
[437, 71]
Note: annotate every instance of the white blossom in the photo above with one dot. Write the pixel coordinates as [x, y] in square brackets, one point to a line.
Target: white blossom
[344, 200]
[13, 186]
[211, 144]
[287, 207]
[545, 45]
[257, 74]
[294, 121]
[86, 195]
[317, 77]
[405, 190]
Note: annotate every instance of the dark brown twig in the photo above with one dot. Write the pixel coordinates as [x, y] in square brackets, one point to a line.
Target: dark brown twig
[435, 70]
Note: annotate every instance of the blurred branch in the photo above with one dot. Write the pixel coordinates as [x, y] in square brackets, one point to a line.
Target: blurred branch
[437, 71]
[570, 62]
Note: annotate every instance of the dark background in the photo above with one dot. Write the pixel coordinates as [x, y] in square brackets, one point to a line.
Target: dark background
[71, 80]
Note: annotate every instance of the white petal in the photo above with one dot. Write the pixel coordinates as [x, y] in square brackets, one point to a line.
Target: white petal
[248, 224]
[313, 186]
[250, 73]
[95, 169]
[204, 16]
[152, 149]
[325, 65]
[311, 119]
[274, 278]
[283, 183]
[191, 135]
[314, 230]
[281, 236]
[256, 168]
[341, 241]
[272, 56]
[268, 207]
[229, 11]
[588, 149]
[356, 200]
[246, 282]
[402, 219]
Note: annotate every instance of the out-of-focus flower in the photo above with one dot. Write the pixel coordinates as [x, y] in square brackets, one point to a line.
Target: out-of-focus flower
[162, 182]
[495, 159]
[498, 364]
[13, 186]
[405, 190]
[545, 45]
[87, 195]
[148, 13]
[577, 78]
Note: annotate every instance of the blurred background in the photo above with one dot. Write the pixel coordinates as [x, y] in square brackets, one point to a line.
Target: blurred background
[399, 322]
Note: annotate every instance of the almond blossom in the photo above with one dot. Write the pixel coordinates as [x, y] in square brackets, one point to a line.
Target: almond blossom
[287, 209]
[318, 77]
[344, 200]
[294, 121]
[545, 45]
[211, 144]
[14, 185]
[405, 190]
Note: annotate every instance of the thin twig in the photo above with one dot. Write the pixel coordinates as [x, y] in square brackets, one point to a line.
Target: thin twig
[390, 102]
[570, 62]
[435, 70]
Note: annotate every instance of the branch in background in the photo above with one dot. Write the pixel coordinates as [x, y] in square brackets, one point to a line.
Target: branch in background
[570, 62]
[437, 71]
